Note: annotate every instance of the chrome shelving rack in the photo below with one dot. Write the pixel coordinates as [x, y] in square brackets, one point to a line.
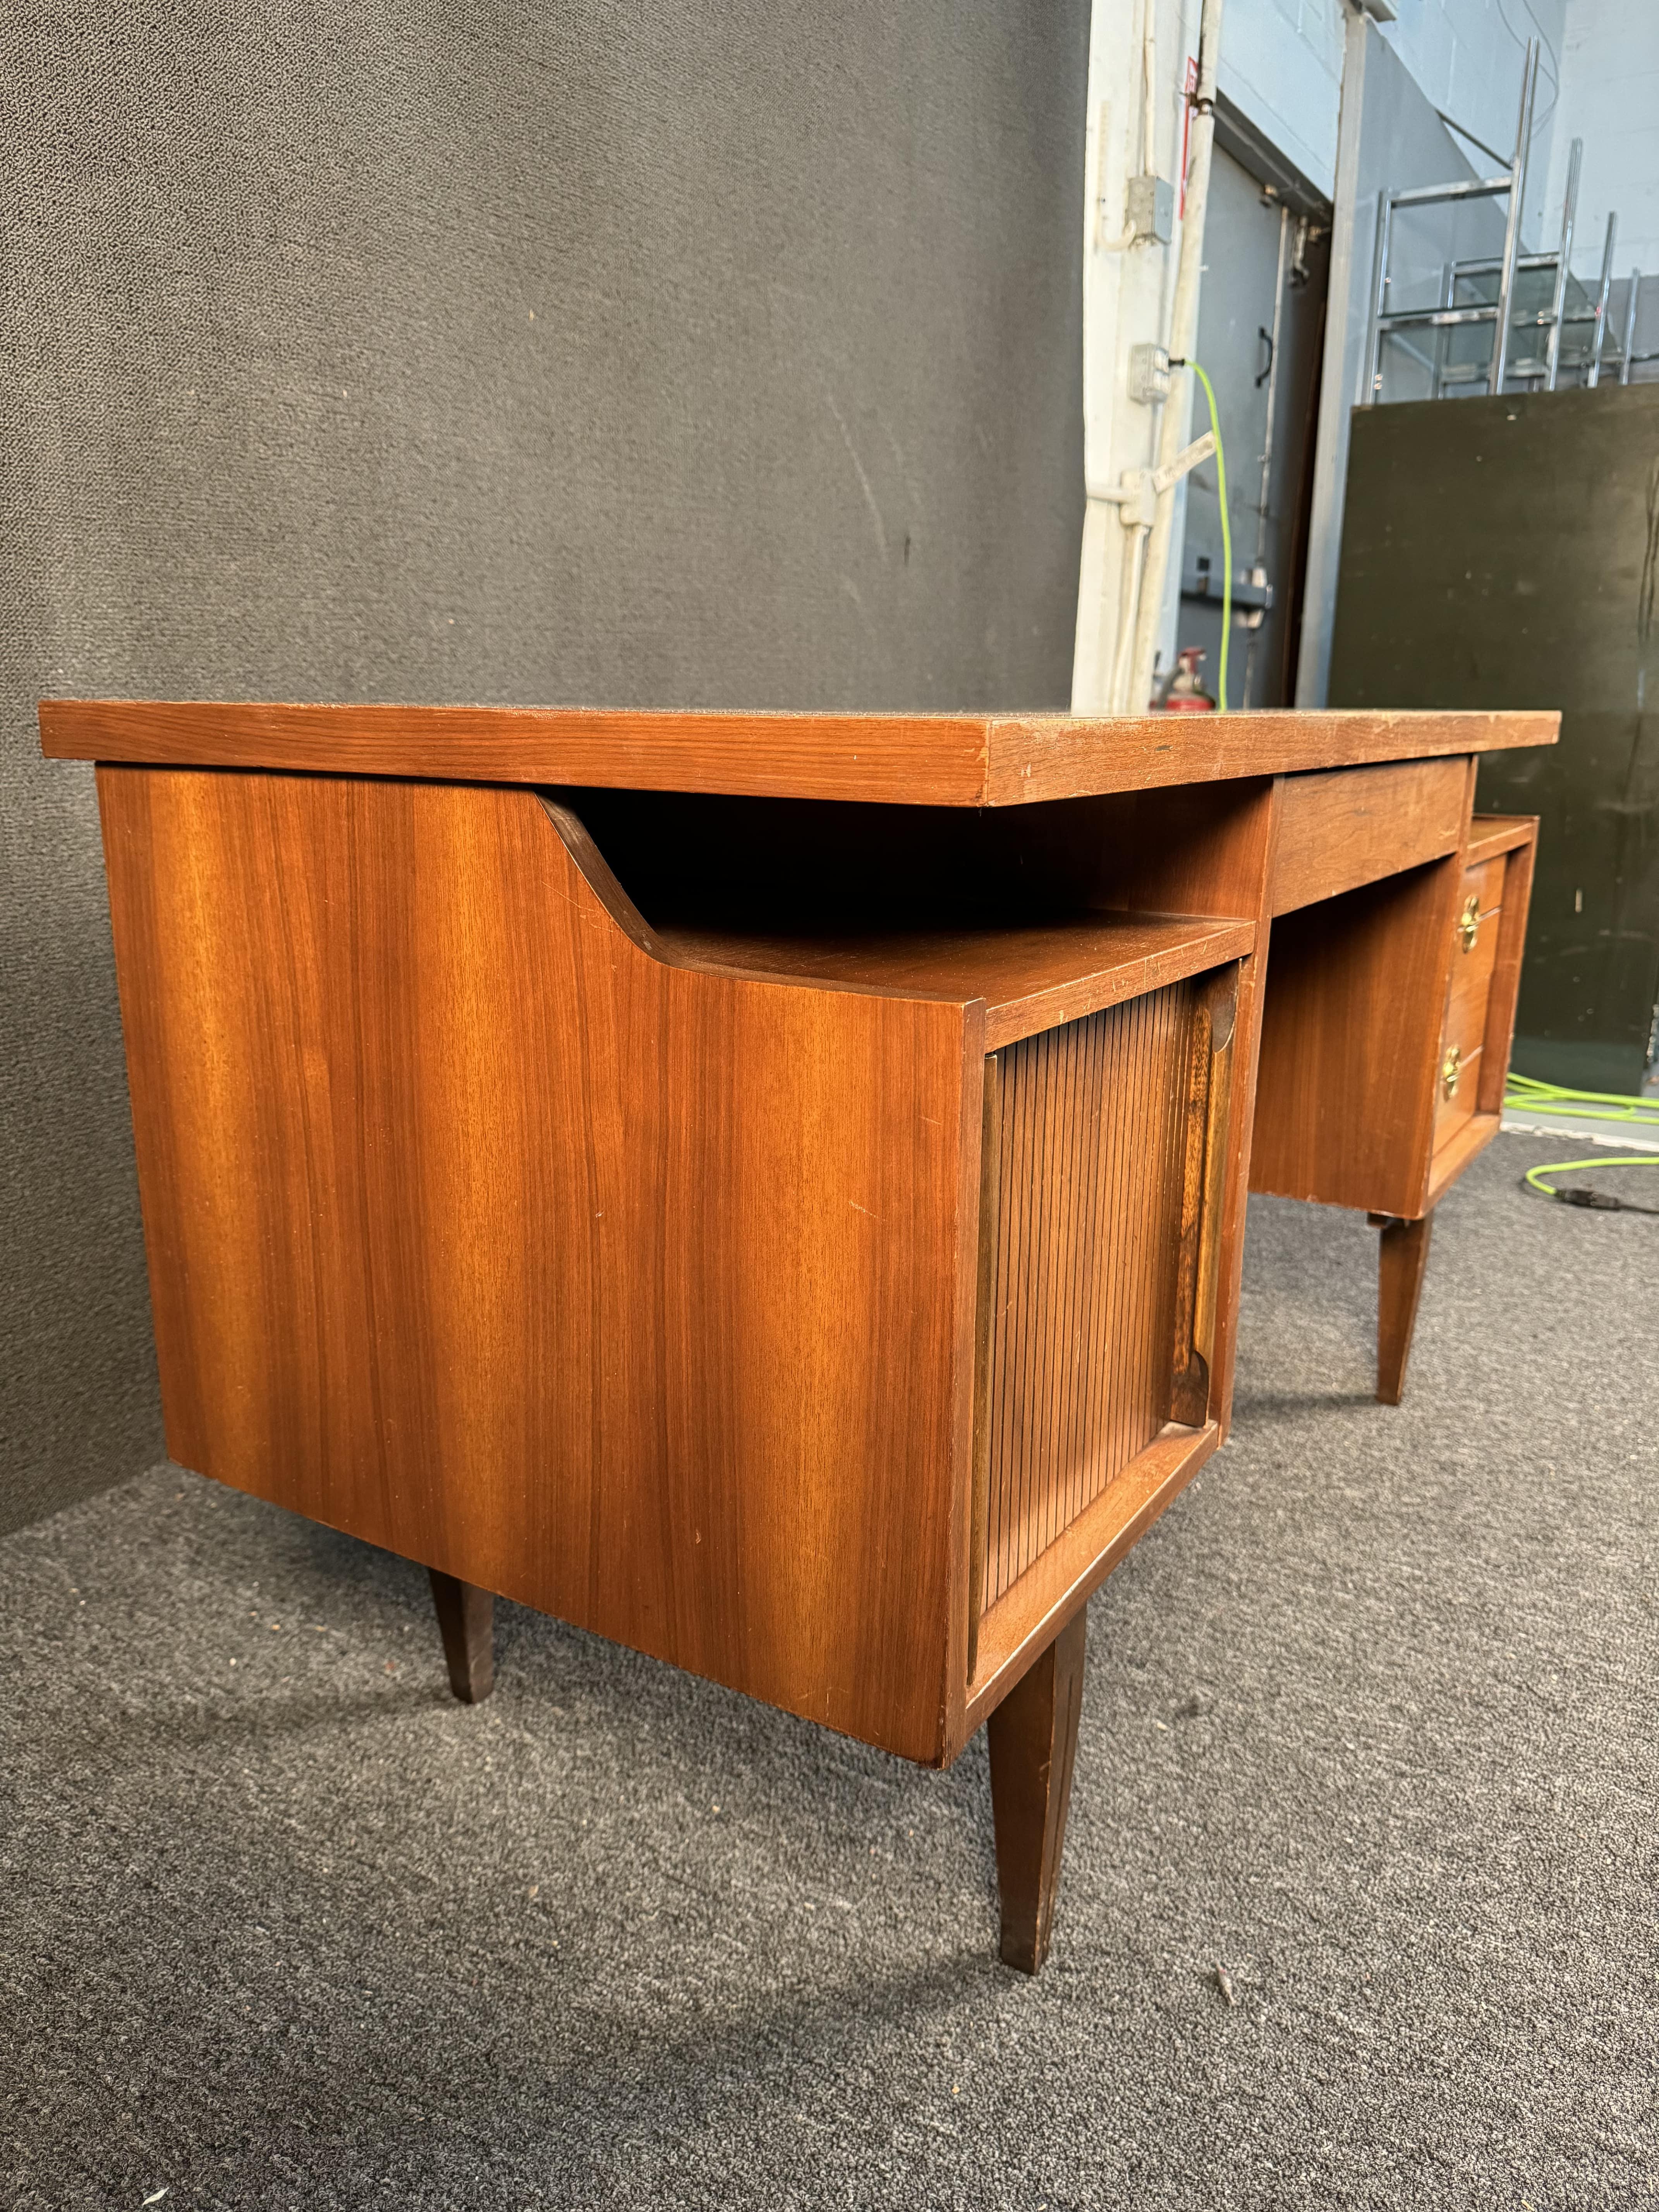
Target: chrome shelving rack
[1547, 326]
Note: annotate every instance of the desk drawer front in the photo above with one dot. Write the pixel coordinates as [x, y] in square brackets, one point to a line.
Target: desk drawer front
[1479, 918]
[1472, 962]
[1345, 827]
[1089, 1134]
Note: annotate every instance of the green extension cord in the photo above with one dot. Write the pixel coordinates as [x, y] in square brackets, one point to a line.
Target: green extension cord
[1581, 1194]
[1525, 1091]
[1226, 537]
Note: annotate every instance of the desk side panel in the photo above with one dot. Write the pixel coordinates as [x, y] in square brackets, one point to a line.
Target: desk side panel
[1347, 1080]
[628, 1293]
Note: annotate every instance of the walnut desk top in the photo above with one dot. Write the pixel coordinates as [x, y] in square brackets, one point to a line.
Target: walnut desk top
[919, 760]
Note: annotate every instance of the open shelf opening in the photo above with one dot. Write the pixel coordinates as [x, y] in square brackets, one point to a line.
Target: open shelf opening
[1019, 908]
[826, 867]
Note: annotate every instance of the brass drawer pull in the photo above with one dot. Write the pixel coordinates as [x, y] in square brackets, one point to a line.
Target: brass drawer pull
[1468, 927]
[1450, 1069]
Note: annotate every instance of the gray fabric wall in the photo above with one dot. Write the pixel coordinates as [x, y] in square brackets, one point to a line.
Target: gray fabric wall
[707, 355]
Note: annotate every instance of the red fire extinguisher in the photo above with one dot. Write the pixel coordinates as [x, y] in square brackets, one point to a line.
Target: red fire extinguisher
[1184, 693]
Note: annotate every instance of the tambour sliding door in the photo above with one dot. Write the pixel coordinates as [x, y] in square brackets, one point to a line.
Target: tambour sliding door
[1102, 1145]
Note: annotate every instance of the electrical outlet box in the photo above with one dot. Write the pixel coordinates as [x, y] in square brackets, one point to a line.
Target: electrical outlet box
[1149, 374]
[1151, 210]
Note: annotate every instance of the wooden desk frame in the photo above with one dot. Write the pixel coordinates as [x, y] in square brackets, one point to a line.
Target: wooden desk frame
[727, 1281]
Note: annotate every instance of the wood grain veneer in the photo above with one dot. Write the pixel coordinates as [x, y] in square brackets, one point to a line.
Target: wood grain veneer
[1033, 1748]
[1350, 826]
[1206, 1167]
[953, 760]
[1353, 1106]
[1492, 834]
[1092, 1130]
[1031, 978]
[465, 1236]
[1211, 849]
[1402, 1256]
[1026, 1622]
[824, 1308]
[466, 1622]
[1051, 757]
[1348, 1083]
[1485, 976]
[1474, 957]
[1483, 882]
[1455, 1155]
[1521, 853]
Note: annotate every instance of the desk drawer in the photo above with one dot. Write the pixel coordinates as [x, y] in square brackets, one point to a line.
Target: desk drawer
[1343, 827]
[1468, 995]
[1483, 889]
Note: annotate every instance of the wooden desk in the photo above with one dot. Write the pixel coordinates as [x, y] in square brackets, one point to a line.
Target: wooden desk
[769, 1188]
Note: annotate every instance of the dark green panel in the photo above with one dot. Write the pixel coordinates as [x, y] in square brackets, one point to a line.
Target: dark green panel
[1502, 553]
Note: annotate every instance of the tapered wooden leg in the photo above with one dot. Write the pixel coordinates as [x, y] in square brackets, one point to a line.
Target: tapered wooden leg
[1033, 1742]
[467, 1620]
[1403, 1253]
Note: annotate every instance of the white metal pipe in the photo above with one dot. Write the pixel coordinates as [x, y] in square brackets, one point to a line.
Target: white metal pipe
[1447, 287]
[1272, 385]
[1134, 552]
[1149, 87]
[1559, 302]
[1477, 188]
[1265, 503]
[1379, 298]
[1500, 337]
[1629, 346]
[1600, 339]
[1184, 335]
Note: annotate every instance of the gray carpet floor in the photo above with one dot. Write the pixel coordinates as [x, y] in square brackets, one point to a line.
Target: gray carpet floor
[1370, 1722]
